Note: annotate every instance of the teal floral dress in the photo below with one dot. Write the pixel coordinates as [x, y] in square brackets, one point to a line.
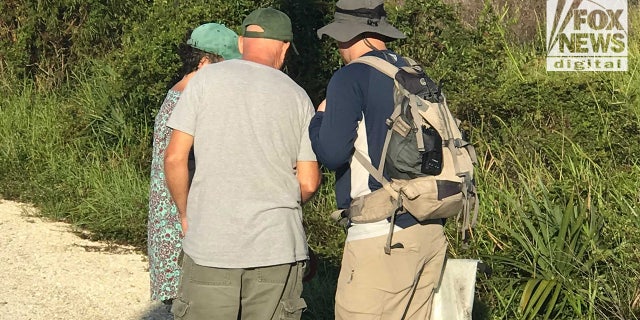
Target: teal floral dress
[163, 237]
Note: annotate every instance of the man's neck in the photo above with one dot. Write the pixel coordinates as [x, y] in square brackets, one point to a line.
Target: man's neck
[367, 45]
[261, 60]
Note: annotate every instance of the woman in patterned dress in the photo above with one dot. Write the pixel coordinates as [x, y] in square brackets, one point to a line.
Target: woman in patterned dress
[208, 43]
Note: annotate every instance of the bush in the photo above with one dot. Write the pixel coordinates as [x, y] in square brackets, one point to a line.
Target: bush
[42, 40]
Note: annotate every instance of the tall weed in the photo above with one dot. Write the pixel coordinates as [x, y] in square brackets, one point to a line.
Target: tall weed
[324, 235]
[66, 153]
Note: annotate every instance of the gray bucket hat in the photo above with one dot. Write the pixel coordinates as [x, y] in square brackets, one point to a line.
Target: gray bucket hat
[353, 17]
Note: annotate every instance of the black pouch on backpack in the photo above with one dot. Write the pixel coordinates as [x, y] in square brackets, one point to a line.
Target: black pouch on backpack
[404, 161]
[432, 155]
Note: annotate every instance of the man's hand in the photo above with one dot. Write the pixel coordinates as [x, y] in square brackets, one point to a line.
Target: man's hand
[183, 224]
[322, 105]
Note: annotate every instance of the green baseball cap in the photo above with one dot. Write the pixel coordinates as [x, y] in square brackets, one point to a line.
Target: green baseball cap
[215, 38]
[276, 25]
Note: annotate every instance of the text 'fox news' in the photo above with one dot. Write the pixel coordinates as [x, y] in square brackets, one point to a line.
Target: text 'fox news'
[587, 35]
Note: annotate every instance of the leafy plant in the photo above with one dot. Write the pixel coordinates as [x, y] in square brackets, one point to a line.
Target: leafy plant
[555, 255]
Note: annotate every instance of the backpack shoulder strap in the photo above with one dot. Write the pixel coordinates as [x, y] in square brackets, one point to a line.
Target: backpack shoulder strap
[380, 64]
[377, 174]
[390, 70]
[410, 61]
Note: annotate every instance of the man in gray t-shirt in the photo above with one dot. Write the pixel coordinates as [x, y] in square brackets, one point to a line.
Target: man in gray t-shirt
[244, 244]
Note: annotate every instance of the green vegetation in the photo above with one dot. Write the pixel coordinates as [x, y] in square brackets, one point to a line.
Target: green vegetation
[558, 172]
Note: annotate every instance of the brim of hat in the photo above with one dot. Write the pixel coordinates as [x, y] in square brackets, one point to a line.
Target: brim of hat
[232, 55]
[343, 31]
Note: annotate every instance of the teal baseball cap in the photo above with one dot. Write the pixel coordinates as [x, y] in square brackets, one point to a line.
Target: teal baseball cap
[215, 38]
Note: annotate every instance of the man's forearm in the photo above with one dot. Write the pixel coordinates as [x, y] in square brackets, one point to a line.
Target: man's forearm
[309, 177]
[177, 176]
[176, 172]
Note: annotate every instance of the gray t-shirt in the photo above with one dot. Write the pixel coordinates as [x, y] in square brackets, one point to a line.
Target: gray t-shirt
[250, 126]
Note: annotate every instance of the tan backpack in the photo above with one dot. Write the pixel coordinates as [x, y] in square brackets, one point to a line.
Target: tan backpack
[430, 164]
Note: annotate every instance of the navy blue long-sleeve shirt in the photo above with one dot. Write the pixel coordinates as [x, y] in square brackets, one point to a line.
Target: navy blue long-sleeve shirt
[359, 100]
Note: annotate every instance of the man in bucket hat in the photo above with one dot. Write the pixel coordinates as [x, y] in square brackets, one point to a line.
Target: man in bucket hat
[371, 284]
[244, 244]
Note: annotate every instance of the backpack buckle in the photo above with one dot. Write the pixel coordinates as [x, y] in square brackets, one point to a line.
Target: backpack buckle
[389, 123]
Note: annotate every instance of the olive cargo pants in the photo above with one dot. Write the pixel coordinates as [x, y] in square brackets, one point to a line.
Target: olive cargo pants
[264, 293]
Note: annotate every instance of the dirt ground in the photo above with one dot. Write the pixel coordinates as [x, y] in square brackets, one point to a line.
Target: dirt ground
[50, 273]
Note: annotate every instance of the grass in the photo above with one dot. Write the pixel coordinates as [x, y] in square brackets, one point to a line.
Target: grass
[57, 155]
[320, 291]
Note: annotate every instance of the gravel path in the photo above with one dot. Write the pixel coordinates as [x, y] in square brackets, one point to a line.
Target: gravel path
[49, 273]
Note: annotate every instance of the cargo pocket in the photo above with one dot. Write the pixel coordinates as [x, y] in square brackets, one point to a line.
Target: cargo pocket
[179, 308]
[292, 308]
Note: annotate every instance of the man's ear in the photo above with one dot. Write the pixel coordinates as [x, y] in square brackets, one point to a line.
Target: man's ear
[285, 47]
[240, 44]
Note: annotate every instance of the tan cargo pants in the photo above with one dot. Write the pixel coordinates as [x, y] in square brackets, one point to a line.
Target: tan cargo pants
[374, 285]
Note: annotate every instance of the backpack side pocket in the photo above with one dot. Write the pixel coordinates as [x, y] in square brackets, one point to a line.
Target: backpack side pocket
[428, 198]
